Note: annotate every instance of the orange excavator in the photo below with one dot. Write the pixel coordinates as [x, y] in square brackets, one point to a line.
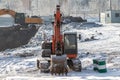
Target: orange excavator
[20, 17]
[62, 51]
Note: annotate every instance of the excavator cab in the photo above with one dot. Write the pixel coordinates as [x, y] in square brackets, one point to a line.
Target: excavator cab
[20, 18]
[70, 49]
[70, 44]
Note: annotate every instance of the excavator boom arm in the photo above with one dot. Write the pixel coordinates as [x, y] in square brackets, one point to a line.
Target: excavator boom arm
[7, 11]
[57, 37]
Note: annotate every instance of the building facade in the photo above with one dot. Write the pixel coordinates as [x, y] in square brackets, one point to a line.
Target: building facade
[111, 16]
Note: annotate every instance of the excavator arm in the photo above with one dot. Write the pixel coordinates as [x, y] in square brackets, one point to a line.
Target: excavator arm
[7, 11]
[57, 37]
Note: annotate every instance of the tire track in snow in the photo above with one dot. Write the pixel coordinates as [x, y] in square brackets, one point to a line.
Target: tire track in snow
[7, 62]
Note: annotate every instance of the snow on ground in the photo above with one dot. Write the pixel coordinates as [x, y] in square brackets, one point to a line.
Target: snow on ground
[6, 15]
[108, 39]
[105, 45]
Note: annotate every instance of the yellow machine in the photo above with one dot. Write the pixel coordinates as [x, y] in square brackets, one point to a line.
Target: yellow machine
[7, 11]
[33, 20]
[20, 17]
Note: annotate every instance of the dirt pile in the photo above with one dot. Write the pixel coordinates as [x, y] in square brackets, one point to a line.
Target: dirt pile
[12, 37]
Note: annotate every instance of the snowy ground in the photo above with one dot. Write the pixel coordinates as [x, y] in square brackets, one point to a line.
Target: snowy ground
[106, 45]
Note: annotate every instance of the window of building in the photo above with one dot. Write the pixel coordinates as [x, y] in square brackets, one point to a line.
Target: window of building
[117, 14]
[108, 15]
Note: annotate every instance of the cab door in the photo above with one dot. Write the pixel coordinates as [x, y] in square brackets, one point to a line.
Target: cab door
[70, 45]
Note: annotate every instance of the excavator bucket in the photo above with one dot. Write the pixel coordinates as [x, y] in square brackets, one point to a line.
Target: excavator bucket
[58, 65]
[56, 59]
